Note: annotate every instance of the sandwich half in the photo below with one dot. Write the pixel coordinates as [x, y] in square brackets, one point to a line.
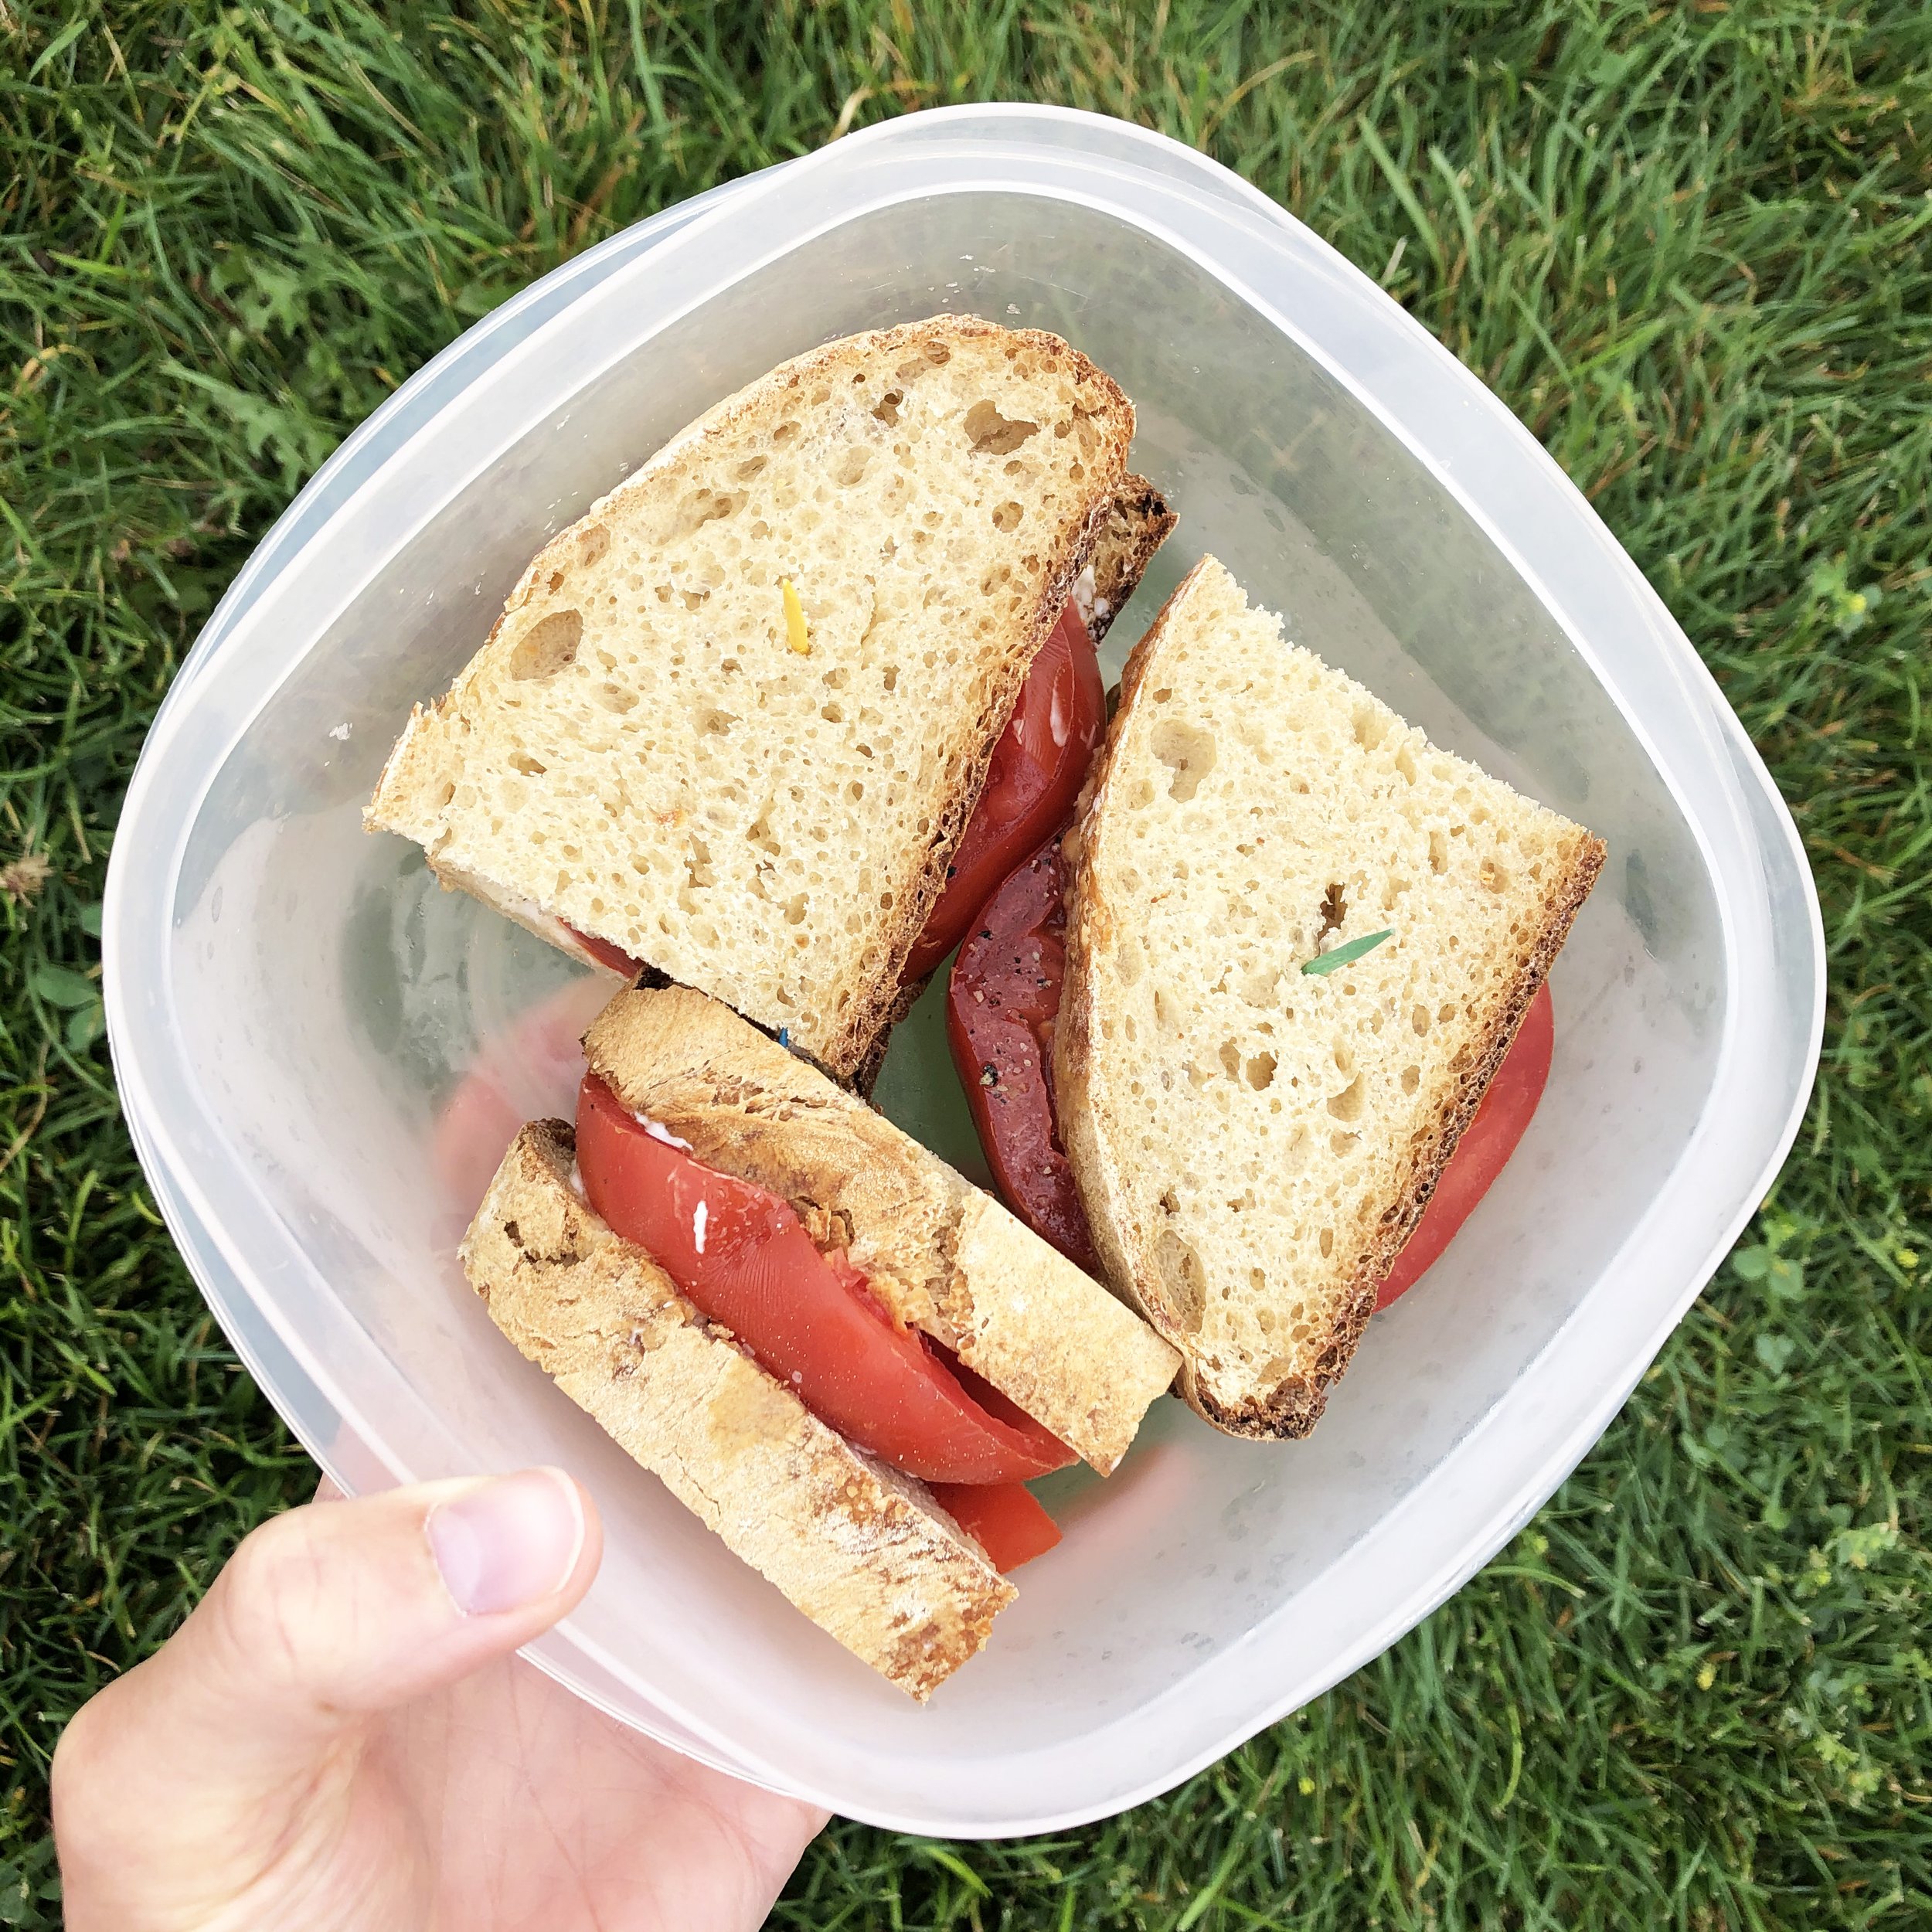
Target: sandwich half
[1255, 1130]
[942, 1255]
[699, 1131]
[866, 1552]
[731, 725]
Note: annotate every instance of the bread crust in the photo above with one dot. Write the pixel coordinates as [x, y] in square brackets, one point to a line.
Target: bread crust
[1134, 526]
[1294, 1406]
[863, 1551]
[410, 797]
[941, 1255]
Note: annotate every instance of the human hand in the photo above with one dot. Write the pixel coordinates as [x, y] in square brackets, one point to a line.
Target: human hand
[341, 1739]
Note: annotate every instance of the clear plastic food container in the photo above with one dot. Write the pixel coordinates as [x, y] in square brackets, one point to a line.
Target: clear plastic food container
[292, 1003]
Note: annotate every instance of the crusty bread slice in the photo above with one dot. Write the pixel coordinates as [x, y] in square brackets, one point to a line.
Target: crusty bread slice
[1131, 528]
[1254, 1144]
[865, 1552]
[941, 1255]
[652, 746]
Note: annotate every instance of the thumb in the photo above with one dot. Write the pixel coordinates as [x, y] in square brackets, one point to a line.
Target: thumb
[322, 1620]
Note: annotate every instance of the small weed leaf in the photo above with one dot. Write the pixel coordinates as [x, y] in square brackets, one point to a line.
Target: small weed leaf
[62, 986]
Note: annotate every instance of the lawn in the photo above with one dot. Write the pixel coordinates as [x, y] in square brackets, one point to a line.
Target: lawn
[1690, 244]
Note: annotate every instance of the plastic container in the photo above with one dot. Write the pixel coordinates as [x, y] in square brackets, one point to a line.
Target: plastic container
[291, 1002]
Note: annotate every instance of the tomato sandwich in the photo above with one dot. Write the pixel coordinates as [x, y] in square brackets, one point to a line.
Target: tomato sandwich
[730, 725]
[844, 1358]
[1299, 941]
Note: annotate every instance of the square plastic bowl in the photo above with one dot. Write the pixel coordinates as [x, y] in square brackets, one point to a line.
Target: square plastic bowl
[291, 1002]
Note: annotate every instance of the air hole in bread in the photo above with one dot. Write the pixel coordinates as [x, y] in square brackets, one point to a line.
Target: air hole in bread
[786, 432]
[993, 434]
[1334, 909]
[523, 762]
[714, 722]
[1438, 852]
[1371, 724]
[1188, 751]
[1183, 1280]
[1231, 1058]
[548, 646]
[795, 909]
[700, 507]
[938, 354]
[886, 408]
[1007, 516]
[1327, 1243]
[1348, 1104]
[1411, 1079]
[850, 464]
[1495, 878]
[832, 714]
[1260, 1072]
[593, 543]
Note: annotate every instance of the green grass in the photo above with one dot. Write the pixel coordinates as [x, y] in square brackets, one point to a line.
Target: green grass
[1691, 246]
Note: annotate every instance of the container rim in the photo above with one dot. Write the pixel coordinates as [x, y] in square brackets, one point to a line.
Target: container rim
[137, 917]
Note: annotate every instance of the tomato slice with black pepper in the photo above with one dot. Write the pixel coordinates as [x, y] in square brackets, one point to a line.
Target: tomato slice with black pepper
[1005, 1519]
[741, 1254]
[1000, 1006]
[1038, 768]
[1483, 1150]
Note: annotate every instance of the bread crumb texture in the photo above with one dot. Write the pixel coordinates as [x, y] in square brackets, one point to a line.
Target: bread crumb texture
[1254, 1143]
[643, 749]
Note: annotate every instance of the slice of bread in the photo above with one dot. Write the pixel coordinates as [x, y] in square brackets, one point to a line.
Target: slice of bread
[941, 1255]
[1254, 1144]
[865, 1552]
[1132, 527]
[758, 796]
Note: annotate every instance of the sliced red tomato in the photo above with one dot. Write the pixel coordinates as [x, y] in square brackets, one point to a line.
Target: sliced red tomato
[744, 1256]
[1005, 1519]
[1038, 768]
[1001, 1007]
[615, 957]
[1486, 1145]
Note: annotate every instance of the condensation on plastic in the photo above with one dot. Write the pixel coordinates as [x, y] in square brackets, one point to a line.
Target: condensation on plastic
[294, 1009]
